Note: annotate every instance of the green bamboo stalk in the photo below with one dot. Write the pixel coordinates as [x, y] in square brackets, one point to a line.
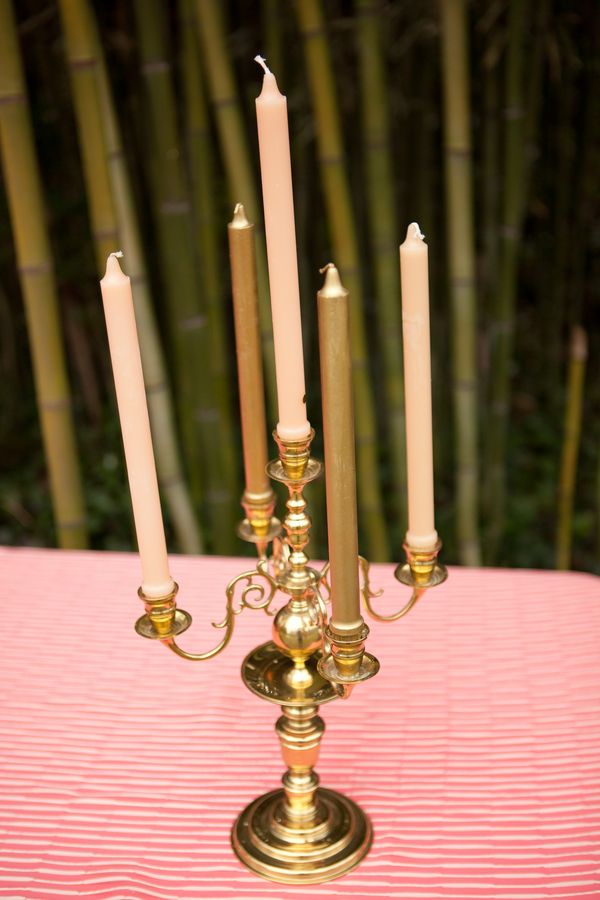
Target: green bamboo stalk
[502, 326]
[36, 275]
[189, 324]
[461, 249]
[91, 137]
[383, 232]
[202, 178]
[342, 226]
[535, 94]
[571, 443]
[272, 13]
[587, 182]
[158, 390]
[237, 162]
[489, 182]
[112, 171]
[563, 214]
[170, 197]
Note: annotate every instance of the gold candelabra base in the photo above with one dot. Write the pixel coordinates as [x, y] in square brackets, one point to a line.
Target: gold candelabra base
[301, 833]
[326, 846]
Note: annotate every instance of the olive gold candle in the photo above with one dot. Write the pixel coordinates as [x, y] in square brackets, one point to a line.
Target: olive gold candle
[338, 439]
[247, 342]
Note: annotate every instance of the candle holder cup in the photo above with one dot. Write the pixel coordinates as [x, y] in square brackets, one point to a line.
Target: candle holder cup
[301, 833]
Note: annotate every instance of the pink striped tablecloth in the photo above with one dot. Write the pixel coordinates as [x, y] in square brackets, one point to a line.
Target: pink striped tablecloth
[476, 750]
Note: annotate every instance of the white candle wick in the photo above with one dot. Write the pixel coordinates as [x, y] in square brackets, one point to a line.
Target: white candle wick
[417, 231]
[262, 62]
[117, 253]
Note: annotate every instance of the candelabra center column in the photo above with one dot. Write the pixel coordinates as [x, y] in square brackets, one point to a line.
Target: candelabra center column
[300, 730]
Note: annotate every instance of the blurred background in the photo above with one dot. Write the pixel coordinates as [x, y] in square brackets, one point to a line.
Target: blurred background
[130, 124]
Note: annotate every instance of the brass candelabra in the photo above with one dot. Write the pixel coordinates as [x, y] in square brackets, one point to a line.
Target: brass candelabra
[301, 833]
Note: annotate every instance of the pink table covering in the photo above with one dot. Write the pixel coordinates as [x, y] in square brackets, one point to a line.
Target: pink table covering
[476, 750]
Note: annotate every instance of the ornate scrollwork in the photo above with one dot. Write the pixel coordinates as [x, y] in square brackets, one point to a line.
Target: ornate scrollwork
[369, 595]
[365, 585]
[258, 591]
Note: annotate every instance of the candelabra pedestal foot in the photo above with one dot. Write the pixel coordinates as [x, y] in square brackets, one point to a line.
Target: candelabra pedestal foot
[301, 833]
[327, 844]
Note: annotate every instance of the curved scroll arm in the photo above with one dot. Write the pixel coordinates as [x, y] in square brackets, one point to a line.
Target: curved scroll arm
[369, 595]
[422, 571]
[416, 596]
[254, 595]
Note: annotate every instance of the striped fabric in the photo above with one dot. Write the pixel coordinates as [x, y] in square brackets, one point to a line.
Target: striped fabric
[476, 750]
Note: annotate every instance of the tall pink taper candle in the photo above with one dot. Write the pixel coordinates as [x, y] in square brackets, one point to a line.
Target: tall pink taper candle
[135, 426]
[278, 201]
[414, 275]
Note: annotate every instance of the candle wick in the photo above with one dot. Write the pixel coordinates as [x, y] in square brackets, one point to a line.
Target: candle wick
[262, 62]
[325, 268]
[418, 232]
[117, 253]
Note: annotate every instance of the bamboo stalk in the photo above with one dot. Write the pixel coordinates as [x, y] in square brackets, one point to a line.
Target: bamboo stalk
[91, 137]
[564, 214]
[502, 325]
[383, 231]
[223, 464]
[571, 443]
[461, 249]
[115, 173]
[186, 303]
[170, 199]
[237, 162]
[36, 275]
[489, 182]
[342, 226]
[272, 13]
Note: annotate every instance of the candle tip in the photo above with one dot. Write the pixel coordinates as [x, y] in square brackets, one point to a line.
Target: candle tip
[239, 217]
[262, 62]
[332, 284]
[112, 264]
[413, 231]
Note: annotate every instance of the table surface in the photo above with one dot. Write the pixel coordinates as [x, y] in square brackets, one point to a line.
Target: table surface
[476, 750]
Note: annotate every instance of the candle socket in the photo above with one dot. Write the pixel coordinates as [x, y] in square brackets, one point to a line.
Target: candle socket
[162, 619]
[294, 455]
[347, 663]
[421, 570]
[260, 526]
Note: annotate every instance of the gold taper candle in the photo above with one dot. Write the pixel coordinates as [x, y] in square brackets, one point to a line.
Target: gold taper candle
[338, 437]
[247, 341]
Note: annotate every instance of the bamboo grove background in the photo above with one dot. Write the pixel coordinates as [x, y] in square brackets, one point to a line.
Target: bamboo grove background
[130, 124]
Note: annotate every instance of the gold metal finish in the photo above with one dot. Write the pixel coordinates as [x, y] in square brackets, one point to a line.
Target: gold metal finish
[338, 436]
[162, 619]
[347, 663]
[333, 841]
[302, 833]
[420, 572]
[258, 501]
[260, 527]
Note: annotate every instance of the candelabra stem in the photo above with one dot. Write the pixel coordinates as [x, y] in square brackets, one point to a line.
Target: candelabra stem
[300, 730]
[303, 833]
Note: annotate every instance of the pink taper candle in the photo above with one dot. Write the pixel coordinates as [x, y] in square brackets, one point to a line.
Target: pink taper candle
[135, 427]
[278, 201]
[414, 274]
